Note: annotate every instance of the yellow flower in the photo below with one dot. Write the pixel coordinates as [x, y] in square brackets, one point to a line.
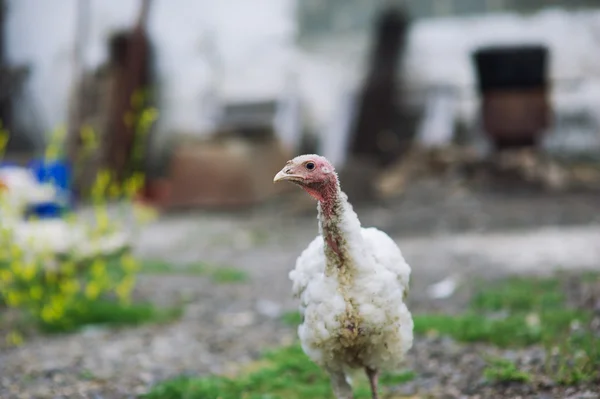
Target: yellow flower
[56, 142]
[3, 141]
[68, 268]
[5, 233]
[102, 219]
[28, 271]
[130, 264]
[124, 288]
[134, 184]
[13, 299]
[51, 277]
[6, 277]
[57, 304]
[88, 137]
[92, 290]
[69, 287]
[101, 184]
[16, 252]
[47, 313]
[114, 191]
[147, 118]
[16, 268]
[98, 268]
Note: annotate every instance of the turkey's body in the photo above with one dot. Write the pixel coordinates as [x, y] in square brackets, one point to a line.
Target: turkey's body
[352, 282]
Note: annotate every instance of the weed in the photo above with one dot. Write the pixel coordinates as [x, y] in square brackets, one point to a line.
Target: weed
[86, 375]
[292, 319]
[503, 370]
[519, 295]
[218, 274]
[108, 313]
[228, 275]
[521, 312]
[64, 292]
[285, 373]
[507, 330]
[160, 267]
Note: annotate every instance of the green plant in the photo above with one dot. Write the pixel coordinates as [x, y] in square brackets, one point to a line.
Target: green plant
[521, 312]
[284, 373]
[61, 292]
[161, 267]
[219, 274]
[51, 291]
[503, 370]
[226, 275]
[519, 295]
[4, 137]
[292, 319]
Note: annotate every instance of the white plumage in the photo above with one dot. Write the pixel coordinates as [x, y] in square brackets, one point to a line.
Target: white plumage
[351, 285]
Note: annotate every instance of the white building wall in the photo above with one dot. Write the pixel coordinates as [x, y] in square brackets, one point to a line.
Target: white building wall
[190, 39]
[246, 49]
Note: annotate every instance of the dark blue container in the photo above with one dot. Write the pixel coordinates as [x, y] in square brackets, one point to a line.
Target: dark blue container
[58, 173]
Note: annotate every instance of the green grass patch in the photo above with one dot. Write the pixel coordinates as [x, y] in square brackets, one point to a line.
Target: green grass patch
[292, 319]
[285, 373]
[225, 275]
[511, 313]
[108, 313]
[507, 330]
[518, 295]
[521, 312]
[517, 313]
[78, 294]
[218, 274]
[160, 267]
[503, 370]
[86, 375]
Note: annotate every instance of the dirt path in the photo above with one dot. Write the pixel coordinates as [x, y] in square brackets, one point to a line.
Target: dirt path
[225, 326]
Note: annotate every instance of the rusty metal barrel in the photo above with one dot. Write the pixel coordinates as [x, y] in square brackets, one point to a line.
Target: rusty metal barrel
[514, 89]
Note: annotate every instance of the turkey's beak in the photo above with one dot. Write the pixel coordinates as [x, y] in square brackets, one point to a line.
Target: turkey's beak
[283, 175]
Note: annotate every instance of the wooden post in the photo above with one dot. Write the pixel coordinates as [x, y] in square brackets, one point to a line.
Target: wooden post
[132, 76]
[376, 114]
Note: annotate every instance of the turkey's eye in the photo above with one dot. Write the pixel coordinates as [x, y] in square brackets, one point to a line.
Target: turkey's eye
[310, 166]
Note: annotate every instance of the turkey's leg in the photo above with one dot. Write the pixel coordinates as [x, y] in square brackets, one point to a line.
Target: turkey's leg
[340, 385]
[373, 375]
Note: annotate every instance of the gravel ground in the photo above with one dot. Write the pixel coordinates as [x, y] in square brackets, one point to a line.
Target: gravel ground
[226, 326]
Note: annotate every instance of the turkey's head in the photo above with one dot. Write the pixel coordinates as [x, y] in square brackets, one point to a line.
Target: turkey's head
[313, 173]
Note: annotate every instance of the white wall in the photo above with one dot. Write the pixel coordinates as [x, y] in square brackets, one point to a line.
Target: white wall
[439, 51]
[257, 35]
[38, 34]
[241, 49]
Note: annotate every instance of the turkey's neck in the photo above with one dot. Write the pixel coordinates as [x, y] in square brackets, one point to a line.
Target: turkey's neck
[332, 211]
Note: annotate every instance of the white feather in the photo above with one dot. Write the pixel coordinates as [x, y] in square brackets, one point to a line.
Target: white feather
[379, 285]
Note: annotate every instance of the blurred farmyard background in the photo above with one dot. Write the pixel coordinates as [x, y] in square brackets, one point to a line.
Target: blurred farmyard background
[145, 249]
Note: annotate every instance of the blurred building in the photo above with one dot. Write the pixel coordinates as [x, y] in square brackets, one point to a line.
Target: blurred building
[307, 56]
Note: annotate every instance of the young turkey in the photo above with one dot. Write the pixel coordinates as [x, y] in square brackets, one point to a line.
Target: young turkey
[352, 283]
